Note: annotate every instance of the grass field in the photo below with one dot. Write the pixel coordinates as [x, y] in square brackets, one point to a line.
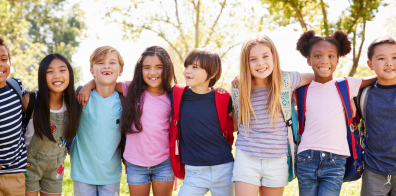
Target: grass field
[348, 189]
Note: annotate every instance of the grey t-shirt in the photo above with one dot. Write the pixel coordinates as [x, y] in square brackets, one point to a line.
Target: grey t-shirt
[263, 140]
[380, 151]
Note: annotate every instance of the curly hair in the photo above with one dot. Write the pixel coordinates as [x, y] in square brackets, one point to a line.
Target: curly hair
[133, 108]
[339, 39]
[2, 43]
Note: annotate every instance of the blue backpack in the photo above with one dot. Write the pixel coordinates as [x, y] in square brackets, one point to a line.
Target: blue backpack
[353, 165]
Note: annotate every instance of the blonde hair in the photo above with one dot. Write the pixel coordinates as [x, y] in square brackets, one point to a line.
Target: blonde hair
[103, 53]
[274, 81]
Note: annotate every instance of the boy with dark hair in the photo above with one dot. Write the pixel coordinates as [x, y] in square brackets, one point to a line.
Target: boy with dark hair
[378, 107]
[95, 156]
[203, 149]
[12, 143]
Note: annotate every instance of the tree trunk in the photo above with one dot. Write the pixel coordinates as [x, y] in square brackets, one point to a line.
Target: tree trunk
[197, 26]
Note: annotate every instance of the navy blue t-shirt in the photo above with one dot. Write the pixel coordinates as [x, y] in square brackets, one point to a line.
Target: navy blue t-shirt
[380, 151]
[201, 140]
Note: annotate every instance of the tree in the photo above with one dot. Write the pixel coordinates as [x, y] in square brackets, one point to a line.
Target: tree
[312, 14]
[35, 28]
[184, 25]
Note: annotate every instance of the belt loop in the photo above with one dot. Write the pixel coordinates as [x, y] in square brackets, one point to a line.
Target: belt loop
[312, 153]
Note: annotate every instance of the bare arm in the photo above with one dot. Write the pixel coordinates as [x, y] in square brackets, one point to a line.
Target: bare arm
[234, 120]
[306, 78]
[367, 81]
[118, 87]
[85, 92]
[25, 101]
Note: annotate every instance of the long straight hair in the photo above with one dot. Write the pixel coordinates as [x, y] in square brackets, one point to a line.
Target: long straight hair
[41, 118]
[133, 109]
[274, 81]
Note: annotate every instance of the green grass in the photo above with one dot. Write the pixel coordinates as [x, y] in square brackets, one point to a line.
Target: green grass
[348, 189]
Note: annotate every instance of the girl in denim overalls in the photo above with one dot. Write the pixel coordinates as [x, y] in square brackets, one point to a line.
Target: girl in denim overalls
[55, 118]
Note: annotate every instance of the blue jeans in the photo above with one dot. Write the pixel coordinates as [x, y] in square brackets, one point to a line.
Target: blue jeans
[137, 175]
[201, 179]
[83, 189]
[320, 173]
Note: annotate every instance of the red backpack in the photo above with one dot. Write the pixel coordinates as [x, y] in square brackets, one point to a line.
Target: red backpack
[226, 126]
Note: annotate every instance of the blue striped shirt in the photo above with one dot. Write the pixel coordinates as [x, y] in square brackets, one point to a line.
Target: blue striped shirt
[13, 158]
[263, 140]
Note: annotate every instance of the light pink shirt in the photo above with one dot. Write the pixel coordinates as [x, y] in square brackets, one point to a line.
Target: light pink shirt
[151, 146]
[325, 125]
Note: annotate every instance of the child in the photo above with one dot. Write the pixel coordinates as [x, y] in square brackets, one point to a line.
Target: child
[204, 150]
[95, 156]
[146, 123]
[379, 175]
[54, 122]
[324, 146]
[262, 143]
[12, 145]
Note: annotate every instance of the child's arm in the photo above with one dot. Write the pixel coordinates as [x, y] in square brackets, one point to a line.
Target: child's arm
[367, 81]
[85, 93]
[234, 120]
[306, 78]
[118, 87]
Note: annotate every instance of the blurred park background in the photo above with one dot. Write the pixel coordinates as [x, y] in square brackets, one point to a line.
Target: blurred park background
[74, 28]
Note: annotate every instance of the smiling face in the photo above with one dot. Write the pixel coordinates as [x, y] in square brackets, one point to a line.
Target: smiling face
[5, 65]
[152, 70]
[323, 59]
[195, 76]
[57, 76]
[261, 63]
[106, 71]
[383, 62]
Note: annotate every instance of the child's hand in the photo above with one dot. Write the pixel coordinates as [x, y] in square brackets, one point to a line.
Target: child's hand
[235, 82]
[84, 95]
[221, 90]
[0, 166]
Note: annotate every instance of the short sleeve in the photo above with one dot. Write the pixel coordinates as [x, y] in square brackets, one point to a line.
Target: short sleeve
[295, 79]
[229, 110]
[354, 86]
[125, 86]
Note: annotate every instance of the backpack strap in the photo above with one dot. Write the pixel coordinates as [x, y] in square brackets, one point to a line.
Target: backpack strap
[177, 93]
[301, 94]
[13, 83]
[362, 101]
[222, 109]
[343, 90]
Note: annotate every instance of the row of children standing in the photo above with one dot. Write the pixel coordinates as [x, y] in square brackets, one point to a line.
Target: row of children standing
[260, 165]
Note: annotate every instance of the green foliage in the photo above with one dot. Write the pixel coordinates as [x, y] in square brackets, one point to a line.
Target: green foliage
[312, 15]
[35, 28]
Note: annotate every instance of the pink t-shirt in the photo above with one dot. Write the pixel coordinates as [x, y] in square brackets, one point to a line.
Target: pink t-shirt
[151, 146]
[325, 125]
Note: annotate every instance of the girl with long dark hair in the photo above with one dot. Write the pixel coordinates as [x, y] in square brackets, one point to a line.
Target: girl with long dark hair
[54, 122]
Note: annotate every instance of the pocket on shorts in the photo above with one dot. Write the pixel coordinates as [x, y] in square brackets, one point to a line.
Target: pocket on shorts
[339, 162]
[303, 158]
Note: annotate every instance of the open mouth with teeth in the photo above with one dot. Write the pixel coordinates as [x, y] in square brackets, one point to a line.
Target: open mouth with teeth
[189, 77]
[262, 69]
[389, 70]
[324, 68]
[2, 72]
[154, 78]
[107, 73]
[57, 83]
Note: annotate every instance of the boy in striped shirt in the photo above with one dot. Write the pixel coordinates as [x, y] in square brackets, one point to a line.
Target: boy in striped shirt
[12, 144]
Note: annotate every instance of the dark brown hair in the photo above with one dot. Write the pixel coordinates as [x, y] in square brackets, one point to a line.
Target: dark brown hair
[133, 108]
[379, 41]
[339, 39]
[2, 43]
[41, 119]
[208, 60]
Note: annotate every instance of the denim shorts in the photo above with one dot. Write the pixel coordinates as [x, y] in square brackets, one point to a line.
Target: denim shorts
[83, 189]
[137, 175]
[320, 173]
[201, 179]
[260, 172]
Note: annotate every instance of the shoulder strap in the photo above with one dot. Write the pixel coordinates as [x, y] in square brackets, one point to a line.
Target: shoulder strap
[15, 86]
[177, 94]
[362, 101]
[343, 90]
[222, 109]
[30, 108]
[285, 98]
[301, 94]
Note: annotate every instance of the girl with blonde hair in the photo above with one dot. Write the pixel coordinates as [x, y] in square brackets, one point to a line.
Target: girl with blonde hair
[262, 145]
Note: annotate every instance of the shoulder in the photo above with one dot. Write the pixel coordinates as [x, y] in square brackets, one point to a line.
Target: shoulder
[352, 82]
